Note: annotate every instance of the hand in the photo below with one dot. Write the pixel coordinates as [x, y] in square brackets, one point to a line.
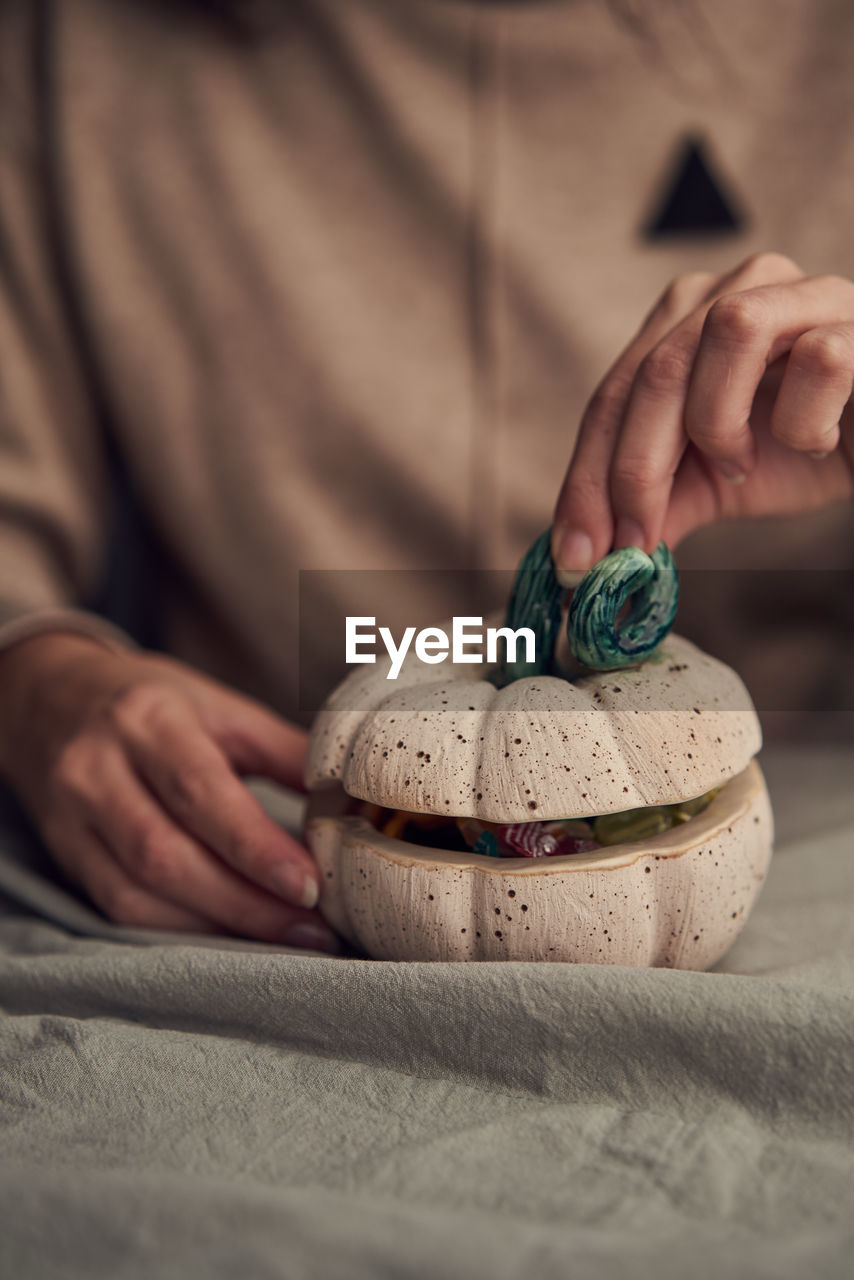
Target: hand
[731, 400]
[129, 763]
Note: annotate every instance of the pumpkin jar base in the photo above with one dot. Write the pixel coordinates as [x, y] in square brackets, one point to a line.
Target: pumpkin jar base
[677, 900]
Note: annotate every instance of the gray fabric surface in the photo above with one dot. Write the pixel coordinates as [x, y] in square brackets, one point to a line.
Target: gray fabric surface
[176, 1108]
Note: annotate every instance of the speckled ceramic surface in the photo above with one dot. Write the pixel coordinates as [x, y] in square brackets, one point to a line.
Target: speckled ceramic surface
[444, 740]
[677, 900]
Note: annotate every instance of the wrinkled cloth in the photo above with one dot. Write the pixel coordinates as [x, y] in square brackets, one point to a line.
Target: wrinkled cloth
[181, 1107]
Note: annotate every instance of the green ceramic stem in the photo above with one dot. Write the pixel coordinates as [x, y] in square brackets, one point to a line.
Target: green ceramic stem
[597, 636]
[535, 602]
[648, 584]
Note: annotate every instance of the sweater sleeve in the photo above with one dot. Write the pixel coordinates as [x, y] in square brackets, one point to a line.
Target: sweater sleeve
[54, 496]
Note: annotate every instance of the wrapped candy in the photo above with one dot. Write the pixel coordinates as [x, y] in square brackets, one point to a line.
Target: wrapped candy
[531, 839]
[526, 839]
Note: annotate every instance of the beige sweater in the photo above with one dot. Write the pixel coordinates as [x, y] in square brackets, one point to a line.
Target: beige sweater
[336, 292]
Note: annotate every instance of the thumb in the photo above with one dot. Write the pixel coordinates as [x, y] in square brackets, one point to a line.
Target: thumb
[694, 500]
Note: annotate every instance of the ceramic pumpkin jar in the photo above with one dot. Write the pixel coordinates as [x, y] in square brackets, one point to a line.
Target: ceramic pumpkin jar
[598, 816]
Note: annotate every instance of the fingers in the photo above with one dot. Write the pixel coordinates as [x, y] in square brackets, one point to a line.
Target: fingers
[697, 385]
[255, 740]
[194, 782]
[140, 803]
[87, 862]
[583, 529]
[816, 386]
[166, 861]
[746, 332]
[787, 478]
[695, 499]
[648, 408]
[651, 441]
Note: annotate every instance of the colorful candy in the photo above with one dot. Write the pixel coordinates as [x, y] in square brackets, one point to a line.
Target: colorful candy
[531, 839]
[526, 839]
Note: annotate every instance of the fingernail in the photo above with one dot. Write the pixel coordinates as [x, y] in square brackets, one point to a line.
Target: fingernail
[731, 471]
[297, 886]
[576, 551]
[628, 534]
[313, 937]
[819, 454]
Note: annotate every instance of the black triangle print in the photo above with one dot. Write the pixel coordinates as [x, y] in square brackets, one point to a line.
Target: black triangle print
[695, 201]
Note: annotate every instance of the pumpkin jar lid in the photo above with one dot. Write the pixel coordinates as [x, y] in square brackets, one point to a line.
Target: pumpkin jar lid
[506, 746]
